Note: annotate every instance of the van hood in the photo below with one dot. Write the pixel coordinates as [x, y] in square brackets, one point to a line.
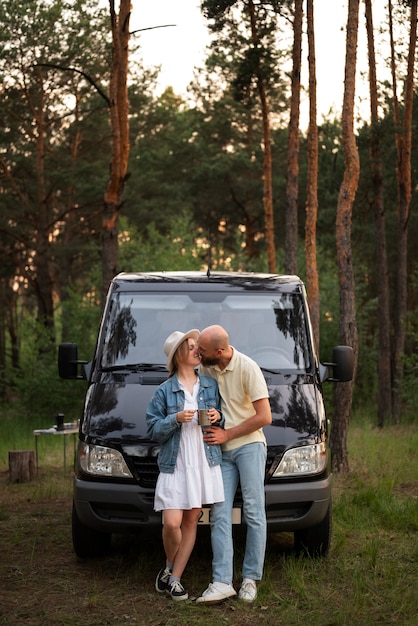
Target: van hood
[116, 410]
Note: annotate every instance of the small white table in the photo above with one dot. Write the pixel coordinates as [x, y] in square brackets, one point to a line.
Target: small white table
[69, 428]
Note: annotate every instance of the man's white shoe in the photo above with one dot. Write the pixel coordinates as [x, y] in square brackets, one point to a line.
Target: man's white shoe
[216, 592]
[248, 591]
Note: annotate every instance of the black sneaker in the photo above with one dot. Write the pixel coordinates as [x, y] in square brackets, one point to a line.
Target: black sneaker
[177, 591]
[161, 582]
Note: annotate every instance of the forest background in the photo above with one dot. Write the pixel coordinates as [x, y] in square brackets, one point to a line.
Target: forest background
[99, 175]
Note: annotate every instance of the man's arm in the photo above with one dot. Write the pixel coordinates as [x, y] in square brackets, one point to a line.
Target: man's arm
[261, 418]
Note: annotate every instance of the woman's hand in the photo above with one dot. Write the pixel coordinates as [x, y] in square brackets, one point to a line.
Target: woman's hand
[214, 415]
[185, 415]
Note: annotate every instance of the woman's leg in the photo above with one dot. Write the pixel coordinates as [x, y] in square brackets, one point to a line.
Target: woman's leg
[179, 537]
[188, 539]
[172, 533]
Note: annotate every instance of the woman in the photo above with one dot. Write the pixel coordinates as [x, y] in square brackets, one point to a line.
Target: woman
[190, 473]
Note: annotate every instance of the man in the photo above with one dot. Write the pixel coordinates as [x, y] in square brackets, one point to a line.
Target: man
[246, 409]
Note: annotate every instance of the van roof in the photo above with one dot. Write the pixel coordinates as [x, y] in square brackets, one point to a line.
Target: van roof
[245, 280]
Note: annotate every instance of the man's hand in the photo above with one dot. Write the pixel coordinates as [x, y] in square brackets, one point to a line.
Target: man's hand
[215, 435]
[261, 417]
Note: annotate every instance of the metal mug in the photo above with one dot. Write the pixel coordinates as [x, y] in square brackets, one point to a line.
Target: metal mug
[203, 417]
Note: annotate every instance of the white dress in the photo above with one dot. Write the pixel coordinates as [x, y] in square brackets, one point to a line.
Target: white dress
[193, 482]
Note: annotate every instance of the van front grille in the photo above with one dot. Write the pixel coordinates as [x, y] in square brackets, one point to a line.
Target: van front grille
[146, 469]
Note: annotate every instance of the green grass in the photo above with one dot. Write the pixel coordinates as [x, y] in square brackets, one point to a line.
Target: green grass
[369, 577]
[16, 433]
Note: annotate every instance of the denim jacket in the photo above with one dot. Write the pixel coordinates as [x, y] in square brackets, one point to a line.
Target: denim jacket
[162, 425]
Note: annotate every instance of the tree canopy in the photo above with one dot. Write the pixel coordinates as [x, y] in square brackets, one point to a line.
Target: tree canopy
[194, 189]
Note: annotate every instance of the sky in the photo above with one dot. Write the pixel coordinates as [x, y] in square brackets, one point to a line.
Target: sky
[179, 48]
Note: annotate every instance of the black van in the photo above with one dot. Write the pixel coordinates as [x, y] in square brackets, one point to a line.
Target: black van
[267, 318]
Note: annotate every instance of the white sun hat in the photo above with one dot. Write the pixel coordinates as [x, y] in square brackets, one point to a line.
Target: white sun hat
[175, 340]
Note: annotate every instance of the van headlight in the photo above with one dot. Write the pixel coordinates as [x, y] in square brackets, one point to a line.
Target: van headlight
[303, 460]
[102, 461]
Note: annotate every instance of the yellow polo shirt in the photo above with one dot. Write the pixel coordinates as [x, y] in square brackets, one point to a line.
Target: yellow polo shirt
[240, 384]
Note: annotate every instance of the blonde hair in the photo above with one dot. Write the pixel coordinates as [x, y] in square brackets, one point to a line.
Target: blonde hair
[179, 356]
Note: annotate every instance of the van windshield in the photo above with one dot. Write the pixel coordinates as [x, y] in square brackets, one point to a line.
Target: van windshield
[271, 329]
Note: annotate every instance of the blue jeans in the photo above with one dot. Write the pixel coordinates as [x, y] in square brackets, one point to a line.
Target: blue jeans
[245, 465]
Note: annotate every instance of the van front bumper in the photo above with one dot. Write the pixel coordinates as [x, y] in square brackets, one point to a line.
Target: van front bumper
[114, 507]
[297, 505]
[118, 507]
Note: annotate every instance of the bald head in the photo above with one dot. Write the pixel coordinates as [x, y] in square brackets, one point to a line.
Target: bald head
[216, 336]
[214, 346]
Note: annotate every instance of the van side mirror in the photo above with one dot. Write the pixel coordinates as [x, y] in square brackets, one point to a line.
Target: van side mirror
[342, 365]
[342, 362]
[68, 361]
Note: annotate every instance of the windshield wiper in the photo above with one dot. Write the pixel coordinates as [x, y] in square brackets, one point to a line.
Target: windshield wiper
[135, 367]
[269, 371]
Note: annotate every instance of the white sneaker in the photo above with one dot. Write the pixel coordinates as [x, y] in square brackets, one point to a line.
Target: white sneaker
[248, 591]
[217, 592]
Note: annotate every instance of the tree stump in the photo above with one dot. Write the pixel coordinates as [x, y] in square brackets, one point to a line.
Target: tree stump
[22, 466]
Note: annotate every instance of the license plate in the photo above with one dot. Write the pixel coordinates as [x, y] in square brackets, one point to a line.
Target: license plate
[204, 518]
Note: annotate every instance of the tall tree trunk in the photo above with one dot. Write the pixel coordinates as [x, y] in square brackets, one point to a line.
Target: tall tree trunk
[348, 323]
[118, 96]
[291, 232]
[267, 159]
[43, 283]
[312, 183]
[384, 403]
[66, 266]
[403, 172]
[12, 303]
[3, 313]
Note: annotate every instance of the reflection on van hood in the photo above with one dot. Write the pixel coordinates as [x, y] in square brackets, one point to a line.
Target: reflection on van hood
[116, 411]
